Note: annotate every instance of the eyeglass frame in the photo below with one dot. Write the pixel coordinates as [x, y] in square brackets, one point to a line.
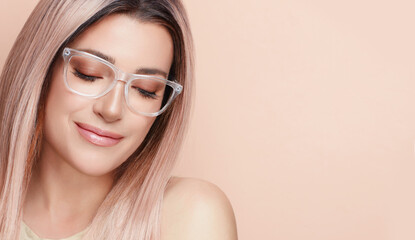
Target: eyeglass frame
[120, 75]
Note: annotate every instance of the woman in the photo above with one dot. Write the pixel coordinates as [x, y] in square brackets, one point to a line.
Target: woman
[95, 100]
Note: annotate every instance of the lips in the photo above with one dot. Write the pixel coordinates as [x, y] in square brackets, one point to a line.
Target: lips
[98, 136]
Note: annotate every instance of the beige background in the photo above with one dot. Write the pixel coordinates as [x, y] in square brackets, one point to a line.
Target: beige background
[304, 113]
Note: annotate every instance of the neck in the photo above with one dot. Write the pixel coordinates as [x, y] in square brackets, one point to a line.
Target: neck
[60, 194]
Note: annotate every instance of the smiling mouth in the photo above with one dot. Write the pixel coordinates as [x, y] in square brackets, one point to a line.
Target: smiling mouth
[90, 134]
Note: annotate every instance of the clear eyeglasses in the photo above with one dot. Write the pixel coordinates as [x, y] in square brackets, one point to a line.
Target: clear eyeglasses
[91, 76]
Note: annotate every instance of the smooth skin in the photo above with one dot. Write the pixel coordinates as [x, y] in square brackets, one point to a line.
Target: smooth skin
[74, 176]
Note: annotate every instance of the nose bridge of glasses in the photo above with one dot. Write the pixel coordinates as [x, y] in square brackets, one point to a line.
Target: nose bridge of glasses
[122, 76]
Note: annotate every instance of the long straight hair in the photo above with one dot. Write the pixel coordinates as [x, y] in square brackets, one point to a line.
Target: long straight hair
[131, 210]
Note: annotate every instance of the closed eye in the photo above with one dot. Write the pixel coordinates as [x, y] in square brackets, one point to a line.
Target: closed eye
[84, 76]
[145, 93]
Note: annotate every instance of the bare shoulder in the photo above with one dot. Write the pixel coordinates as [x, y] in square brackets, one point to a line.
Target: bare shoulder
[196, 209]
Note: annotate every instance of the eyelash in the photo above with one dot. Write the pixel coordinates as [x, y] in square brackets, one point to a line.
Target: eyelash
[146, 94]
[83, 76]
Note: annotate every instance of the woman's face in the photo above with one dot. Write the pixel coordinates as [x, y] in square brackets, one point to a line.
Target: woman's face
[132, 45]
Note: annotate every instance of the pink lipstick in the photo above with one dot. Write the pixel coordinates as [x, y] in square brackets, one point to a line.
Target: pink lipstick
[98, 136]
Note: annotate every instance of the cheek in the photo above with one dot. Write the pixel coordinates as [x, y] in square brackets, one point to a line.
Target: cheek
[60, 102]
[138, 131]
[60, 99]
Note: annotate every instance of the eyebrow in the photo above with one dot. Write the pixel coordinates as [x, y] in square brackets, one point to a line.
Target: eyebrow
[144, 71]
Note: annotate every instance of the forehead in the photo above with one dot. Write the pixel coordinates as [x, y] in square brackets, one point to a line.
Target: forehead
[131, 43]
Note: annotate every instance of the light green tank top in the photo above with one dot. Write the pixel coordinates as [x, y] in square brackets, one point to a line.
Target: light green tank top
[27, 234]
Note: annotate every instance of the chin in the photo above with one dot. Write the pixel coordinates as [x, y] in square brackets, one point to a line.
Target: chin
[93, 168]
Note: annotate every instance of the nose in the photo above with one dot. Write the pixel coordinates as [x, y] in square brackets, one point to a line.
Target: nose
[111, 106]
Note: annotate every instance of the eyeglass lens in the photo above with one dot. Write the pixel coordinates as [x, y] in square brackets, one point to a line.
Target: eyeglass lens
[91, 77]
